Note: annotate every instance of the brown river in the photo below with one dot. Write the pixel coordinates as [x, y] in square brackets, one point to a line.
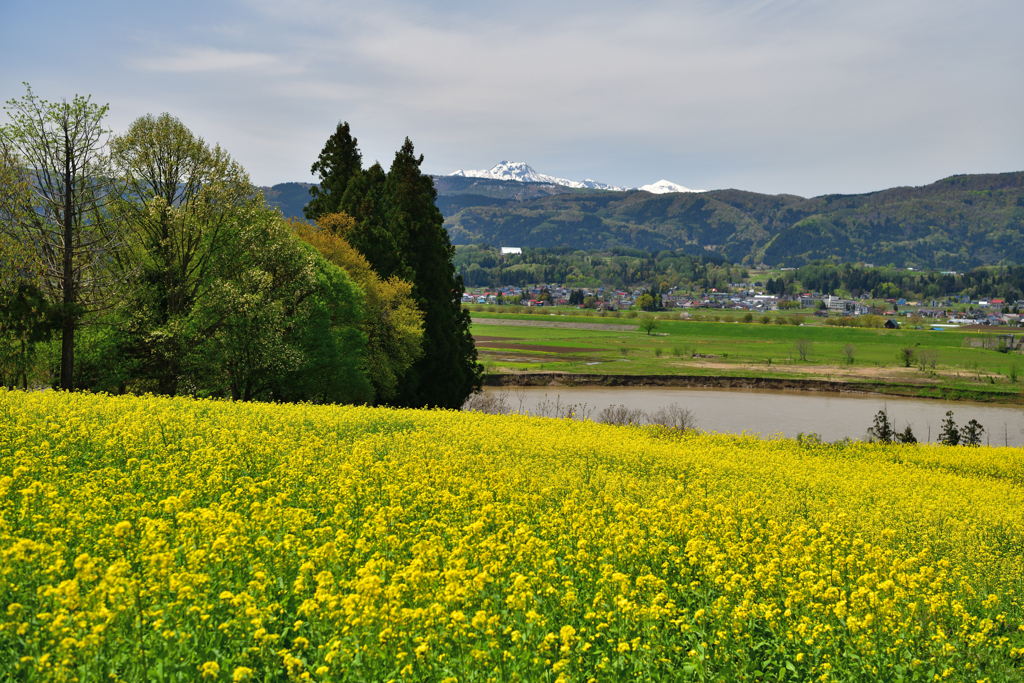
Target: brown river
[833, 416]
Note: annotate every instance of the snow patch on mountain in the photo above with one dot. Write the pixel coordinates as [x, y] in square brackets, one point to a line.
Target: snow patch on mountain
[524, 173]
[666, 186]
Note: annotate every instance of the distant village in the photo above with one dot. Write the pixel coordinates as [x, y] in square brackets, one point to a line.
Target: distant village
[742, 297]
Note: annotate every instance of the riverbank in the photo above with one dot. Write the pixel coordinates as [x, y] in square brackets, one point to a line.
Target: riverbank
[903, 389]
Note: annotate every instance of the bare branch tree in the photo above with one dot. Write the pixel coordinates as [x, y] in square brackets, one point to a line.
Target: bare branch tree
[621, 415]
[674, 416]
[60, 205]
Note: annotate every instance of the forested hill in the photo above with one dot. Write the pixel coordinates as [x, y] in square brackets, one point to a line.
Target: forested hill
[289, 197]
[453, 193]
[953, 224]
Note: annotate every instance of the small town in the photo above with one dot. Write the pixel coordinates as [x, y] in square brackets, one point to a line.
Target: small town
[740, 298]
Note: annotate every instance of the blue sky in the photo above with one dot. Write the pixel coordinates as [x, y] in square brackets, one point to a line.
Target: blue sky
[798, 96]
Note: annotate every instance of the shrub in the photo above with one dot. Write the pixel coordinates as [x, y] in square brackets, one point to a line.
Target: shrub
[621, 415]
[905, 356]
[674, 416]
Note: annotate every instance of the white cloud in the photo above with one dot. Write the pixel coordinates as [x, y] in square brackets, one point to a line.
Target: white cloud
[205, 59]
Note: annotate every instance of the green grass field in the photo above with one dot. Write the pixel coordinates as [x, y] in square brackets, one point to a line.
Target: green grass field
[509, 343]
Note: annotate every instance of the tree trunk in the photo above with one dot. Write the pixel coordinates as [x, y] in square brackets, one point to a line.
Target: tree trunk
[24, 366]
[67, 341]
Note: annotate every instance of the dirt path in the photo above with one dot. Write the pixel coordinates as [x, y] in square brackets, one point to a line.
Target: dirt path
[554, 323]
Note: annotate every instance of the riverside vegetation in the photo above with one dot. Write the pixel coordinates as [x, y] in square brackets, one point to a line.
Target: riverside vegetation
[173, 539]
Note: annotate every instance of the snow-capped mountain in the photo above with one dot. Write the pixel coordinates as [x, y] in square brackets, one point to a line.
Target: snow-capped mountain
[524, 173]
[665, 186]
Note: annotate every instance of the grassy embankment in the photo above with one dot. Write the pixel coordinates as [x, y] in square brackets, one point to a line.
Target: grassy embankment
[946, 363]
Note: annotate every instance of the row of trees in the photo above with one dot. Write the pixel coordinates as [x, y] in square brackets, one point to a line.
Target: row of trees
[883, 431]
[1006, 282]
[621, 268]
[148, 261]
[484, 266]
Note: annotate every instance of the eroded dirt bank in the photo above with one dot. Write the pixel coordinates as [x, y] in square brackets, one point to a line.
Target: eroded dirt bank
[555, 379]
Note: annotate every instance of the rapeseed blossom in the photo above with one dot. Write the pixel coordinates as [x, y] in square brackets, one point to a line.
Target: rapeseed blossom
[146, 538]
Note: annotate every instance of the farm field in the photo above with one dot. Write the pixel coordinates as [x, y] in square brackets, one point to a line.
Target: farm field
[157, 539]
[953, 360]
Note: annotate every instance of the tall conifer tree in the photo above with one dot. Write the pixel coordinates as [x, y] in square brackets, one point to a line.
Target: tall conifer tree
[339, 161]
[447, 372]
[365, 200]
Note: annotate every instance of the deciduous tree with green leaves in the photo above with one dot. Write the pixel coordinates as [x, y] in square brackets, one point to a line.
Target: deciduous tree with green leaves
[226, 300]
[182, 200]
[393, 324]
[648, 323]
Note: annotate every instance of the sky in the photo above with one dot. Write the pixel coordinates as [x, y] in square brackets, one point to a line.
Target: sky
[804, 97]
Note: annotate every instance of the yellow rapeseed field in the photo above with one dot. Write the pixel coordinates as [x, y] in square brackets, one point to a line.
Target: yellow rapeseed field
[152, 539]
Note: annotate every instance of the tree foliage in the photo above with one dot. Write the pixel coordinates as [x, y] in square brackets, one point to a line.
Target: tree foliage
[970, 433]
[27, 318]
[399, 230]
[225, 299]
[186, 204]
[949, 436]
[393, 324]
[882, 431]
[648, 323]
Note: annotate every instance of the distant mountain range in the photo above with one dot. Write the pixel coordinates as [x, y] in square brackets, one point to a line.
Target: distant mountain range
[953, 224]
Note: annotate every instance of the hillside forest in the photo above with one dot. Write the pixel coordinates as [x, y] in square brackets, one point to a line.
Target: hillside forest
[958, 223]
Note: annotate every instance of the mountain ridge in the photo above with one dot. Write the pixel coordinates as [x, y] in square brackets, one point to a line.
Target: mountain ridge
[955, 223]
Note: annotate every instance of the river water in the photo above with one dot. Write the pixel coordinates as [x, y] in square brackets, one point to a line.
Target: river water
[833, 416]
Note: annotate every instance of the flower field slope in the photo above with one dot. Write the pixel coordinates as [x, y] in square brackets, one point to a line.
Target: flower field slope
[150, 539]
